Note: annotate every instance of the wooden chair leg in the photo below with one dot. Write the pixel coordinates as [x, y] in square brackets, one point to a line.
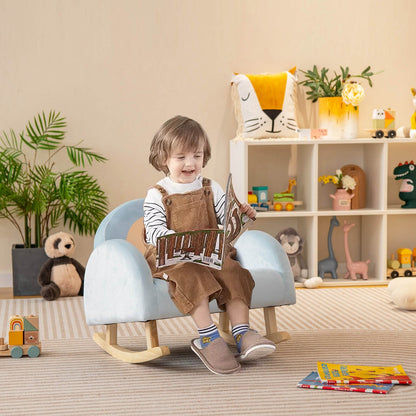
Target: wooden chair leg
[152, 337]
[271, 327]
[108, 342]
[111, 334]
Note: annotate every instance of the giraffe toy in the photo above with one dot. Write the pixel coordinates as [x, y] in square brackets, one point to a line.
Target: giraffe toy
[354, 267]
[330, 264]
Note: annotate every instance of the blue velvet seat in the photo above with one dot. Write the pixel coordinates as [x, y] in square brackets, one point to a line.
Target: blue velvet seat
[119, 287]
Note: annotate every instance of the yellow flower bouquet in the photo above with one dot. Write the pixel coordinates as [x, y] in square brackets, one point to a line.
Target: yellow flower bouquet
[340, 180]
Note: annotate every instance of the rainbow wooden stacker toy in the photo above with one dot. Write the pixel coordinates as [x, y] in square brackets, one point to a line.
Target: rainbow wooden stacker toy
[23, 337]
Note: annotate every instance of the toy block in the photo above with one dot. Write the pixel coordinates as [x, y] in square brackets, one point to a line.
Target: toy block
[31, 337]
[390, 123]
[31, 323]
[16, 323]
[378, 124]
[15, 337]
[3, 346]
[261, 193]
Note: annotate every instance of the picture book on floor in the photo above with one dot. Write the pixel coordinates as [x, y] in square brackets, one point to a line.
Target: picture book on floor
[313, 381]
[357, 374]
[205, 247]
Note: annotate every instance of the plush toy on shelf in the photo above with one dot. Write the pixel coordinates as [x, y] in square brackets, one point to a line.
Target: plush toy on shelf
[61, 275]
[292, 243]
[406, 172]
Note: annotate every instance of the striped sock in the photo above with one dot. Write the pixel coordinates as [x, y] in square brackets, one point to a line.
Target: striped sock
[238, 331]
[208, 334]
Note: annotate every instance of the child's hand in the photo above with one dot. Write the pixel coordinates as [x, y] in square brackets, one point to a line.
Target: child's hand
[248, 210]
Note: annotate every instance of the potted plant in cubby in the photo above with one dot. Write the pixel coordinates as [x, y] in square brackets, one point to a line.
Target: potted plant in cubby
[36, 195]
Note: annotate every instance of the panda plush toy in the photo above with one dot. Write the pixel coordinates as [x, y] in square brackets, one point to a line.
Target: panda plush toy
[61, 275]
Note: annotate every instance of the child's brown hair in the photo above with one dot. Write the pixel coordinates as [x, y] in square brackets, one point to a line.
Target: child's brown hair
[179, 133]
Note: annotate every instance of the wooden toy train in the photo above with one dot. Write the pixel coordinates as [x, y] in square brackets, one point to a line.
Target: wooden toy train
[23, 337]
[404, 265]
[284, 200]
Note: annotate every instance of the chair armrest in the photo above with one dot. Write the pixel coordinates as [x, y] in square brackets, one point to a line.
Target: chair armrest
[269, 265]
[257, 249]
[118, 285]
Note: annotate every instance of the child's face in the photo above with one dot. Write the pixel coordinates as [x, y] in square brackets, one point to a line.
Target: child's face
[185, 166]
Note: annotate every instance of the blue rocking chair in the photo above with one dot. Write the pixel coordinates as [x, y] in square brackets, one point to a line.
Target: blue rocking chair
[119, 287]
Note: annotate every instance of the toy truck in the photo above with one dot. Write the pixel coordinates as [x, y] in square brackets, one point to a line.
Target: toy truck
[383, 123]
[23, 337]
[286, 199]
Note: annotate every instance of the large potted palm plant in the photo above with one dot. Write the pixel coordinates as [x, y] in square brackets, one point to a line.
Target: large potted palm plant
[36, 196]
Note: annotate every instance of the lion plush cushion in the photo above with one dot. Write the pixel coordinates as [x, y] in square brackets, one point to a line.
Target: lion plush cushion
[265, 104]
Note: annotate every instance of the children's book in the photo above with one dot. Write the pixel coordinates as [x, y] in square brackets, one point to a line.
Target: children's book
[313, 381]
[356, 374]
[205, 247]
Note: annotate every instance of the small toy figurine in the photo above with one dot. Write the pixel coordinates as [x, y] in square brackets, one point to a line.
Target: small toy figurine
[407, 174]
[383, 123]
[330, 264]
[307, 134]
[286, 199]
[404, 265]
[354, 267]
[413, 118]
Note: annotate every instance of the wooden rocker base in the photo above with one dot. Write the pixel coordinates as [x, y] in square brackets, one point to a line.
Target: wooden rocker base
[108, 342]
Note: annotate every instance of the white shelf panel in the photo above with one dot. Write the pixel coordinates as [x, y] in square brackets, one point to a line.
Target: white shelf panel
[282, 214]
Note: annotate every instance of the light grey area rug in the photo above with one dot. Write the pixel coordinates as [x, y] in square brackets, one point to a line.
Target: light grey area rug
[74, 376]
[340, 308]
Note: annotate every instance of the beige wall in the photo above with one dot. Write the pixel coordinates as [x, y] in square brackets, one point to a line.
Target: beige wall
[118, 69]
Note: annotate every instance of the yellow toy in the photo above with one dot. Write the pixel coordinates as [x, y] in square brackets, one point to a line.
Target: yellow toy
[285, 200]
[413, 118]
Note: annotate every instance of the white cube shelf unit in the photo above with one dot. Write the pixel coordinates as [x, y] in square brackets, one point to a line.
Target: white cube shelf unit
[380, 228]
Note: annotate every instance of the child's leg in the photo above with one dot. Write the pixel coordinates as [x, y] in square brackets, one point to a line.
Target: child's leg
[207, 330]
[210, 347]
[250, 344]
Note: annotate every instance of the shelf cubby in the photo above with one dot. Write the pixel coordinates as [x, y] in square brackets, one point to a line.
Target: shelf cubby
[379, 227]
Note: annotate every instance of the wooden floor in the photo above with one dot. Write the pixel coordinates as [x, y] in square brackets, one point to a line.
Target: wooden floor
[7, 293]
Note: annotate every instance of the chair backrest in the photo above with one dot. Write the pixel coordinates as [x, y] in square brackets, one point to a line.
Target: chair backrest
[124, 222]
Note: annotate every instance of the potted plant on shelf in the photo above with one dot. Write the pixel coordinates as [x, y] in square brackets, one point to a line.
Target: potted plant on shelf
[36, 196]
[344, 183]
[338, 99]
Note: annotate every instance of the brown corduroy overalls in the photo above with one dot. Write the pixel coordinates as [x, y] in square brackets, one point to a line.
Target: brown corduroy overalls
[190, 283]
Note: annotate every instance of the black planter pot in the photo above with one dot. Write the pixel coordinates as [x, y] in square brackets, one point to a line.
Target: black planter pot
[26, 263]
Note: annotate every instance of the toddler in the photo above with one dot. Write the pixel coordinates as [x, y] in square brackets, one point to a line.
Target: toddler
[184, 201]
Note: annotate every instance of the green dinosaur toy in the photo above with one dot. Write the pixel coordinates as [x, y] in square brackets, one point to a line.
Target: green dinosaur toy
[407, 174]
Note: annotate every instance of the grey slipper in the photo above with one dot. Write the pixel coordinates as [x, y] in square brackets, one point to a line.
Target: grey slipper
[254, 346]
[217, 357]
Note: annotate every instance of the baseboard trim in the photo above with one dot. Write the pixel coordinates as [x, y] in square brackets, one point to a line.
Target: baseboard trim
[6, 280]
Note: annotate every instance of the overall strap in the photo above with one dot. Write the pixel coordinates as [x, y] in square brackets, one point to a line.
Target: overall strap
[206, 182]
[161, 190]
